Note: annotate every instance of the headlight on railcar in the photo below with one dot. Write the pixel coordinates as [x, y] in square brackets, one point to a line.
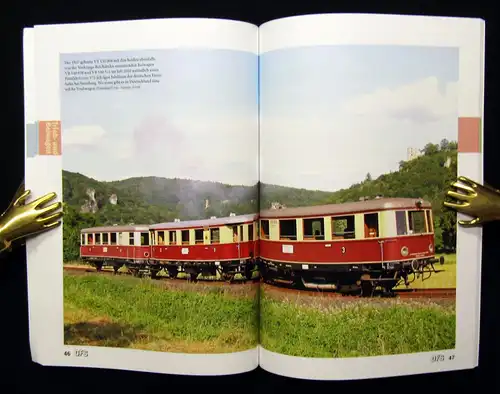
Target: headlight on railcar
[431, 248]
[404, 251]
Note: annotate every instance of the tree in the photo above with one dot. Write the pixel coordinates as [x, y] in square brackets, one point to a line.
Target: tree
[430, 149]
[444, 145]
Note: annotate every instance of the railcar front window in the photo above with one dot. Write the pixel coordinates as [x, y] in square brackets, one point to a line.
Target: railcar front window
[430, 223]
[343, 227]
[401, 222]
[288, 229]
[161, 238]
[314, 229]
[417, 222]
[82, 240]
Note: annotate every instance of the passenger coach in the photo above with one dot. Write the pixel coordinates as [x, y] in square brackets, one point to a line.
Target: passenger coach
[116, 246]
[225, 246]
[350, 246]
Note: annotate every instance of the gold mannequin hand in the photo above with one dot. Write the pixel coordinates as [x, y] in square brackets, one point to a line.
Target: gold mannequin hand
[481, 202]
[21, 220]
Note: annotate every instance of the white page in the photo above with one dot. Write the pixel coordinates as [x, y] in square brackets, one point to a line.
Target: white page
[347, 95]
[196, 120]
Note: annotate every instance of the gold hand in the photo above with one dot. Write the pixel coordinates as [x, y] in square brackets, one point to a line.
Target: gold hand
[481, 202]
[21, 220]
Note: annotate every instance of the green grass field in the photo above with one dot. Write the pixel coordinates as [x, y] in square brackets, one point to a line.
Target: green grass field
[127, 312]
[310, 327]
[320, 327]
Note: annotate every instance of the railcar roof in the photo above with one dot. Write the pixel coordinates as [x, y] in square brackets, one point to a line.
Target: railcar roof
[205, 222]
[115, 229]
[348, 208]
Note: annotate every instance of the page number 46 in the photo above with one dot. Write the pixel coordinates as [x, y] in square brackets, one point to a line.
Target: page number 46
[78, 353]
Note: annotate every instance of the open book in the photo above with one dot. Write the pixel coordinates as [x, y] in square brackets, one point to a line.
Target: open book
[239, 196]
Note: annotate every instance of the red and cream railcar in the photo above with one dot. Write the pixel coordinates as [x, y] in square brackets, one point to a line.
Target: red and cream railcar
[350, 246]
[116, 246]
[217, 246]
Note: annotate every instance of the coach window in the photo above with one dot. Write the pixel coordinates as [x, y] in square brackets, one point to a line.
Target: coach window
[185, 237]
[236, 237]
[343, 227]
[172, 237]
[430, 223]
[198, 236]
[371, 225]
[417, 222]
[314, 229]
[82, 239]
[214, 235]
[264, 229]
[105, 238]
[112, 239]
[288, 229]
[250, 232]
[401, 222]
[131, 240]
[90, 239]
[98, 239]
[144, 239]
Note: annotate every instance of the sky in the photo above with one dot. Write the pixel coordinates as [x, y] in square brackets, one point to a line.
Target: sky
[200, 122]
[332, 114]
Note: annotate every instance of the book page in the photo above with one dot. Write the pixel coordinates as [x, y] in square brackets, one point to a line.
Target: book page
[365, 121]
[148, 132]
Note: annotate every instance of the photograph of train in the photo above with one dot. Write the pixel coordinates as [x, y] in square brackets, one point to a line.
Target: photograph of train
[357, 253]
[161, 201]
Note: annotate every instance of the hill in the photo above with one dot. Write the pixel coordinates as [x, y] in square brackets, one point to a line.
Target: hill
[88, 202]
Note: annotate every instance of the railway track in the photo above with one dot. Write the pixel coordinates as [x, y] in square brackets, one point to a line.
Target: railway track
[426, 293]
[210, 282]
[435, 293]
[399, 293]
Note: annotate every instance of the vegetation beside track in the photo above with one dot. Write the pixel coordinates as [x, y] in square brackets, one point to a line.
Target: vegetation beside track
[127, 312]
[328, 327]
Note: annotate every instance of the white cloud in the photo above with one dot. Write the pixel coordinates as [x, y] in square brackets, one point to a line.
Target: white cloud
[222, 148]
[120, 147]
[83, 135]
[371, 133]
[420, 101]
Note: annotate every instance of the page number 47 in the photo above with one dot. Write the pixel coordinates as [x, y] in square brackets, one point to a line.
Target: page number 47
[441, 357]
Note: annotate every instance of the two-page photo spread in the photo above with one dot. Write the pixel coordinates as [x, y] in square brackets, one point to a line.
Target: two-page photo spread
[238, 196]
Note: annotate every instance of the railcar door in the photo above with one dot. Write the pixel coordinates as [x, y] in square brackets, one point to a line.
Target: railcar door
[131, 248]
[237, 234]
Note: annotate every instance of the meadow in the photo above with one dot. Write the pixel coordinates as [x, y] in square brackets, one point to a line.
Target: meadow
[308, 326]
[128, 312]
